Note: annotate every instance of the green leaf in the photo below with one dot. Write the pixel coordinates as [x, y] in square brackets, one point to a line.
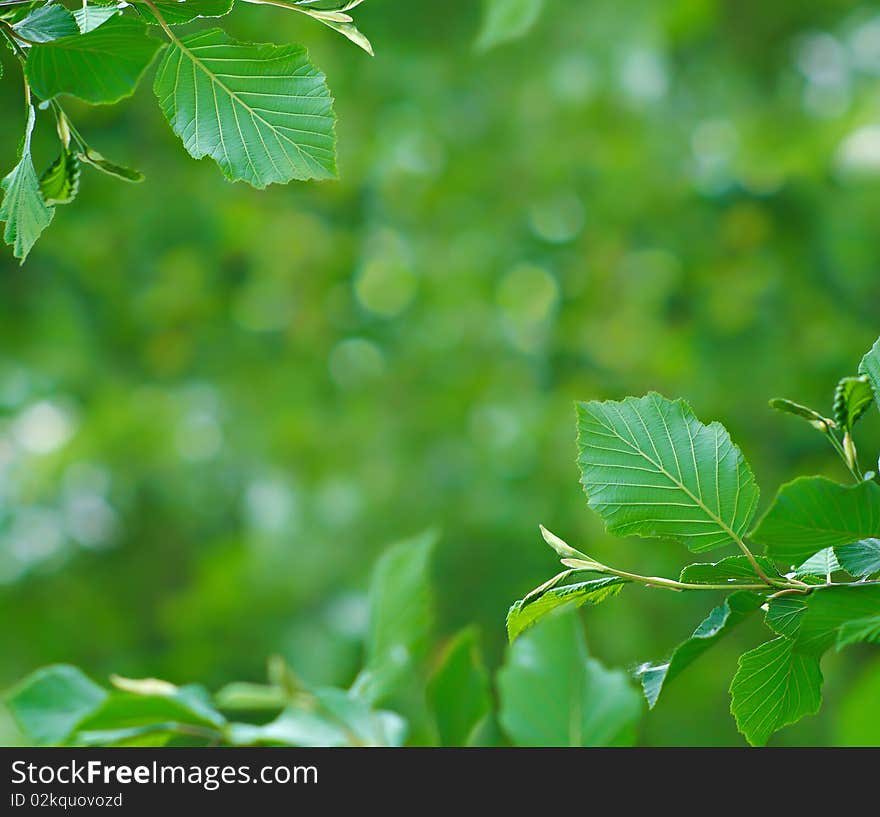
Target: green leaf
[401, 616]
[23, 209]
[240, 696]
[651, 468]
[60, 183]
[179, 12]
[852, 397]
[92, 16]
[553, 694]
[784, 614]
[823, 563]
[506, 20]
[860, 629]
[97, 161]
[334, 718]
[814, 513]
[47, 23]
[49, 704]
[731, 612]
[733, 569]
[262, 112]
[459, 692]
[829, 609]
[870, 366]
[100, 67]
[773, 687]
[331, 15]
[860, 558]
[530, 610]
[812, 417]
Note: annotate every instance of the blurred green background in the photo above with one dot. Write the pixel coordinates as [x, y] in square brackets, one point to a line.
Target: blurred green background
[218, 405]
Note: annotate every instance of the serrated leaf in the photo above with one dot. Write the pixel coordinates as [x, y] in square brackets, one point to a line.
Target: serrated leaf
[49, 704]
[23, 209]
[860, 558]
[100, 67]
[731, 612]
[812, 417]
[814, 513]
[529, 611]
[553, 694]
[829, 609]
[97, 161]
[784, 614]
[180, 12]
[459, 692]
[773, 687]
[859, 630]
[262, 112]
[91, 16]
[401, 616]
[60, 183]
[733, 570]
[852, 398]
[46, 23]
[507, 20]
[823, 563]
[870, 366]
[651, 468]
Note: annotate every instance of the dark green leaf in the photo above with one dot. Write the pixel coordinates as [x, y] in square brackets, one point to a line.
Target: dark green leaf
[773, 687]
[870, 366]
[175, 12]
[100, 67]
[784, 614]
[97, 161]
[735, 608]
[651, 468]
[852, 397]
[860, 629]
[813, 513]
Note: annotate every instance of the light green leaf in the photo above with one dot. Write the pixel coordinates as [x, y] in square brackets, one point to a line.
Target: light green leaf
[651, 468]
[530, 610]
[852, 397]
[553, 694]
[23, 209]
[773, 687]
[401, 616]
[333, 719]
[97, 161]
[812, 417]
[92, 16]
[823, 563]
[870, 366]
[506, 20]
[733, 569]
[49, 704]
[262, 112]
[100, 67]
[179, 12]
[732, 611]
[459, 692]
[240, 696]
[60, 183]
[860, 558]
[861, 629]
[784, 614]
[814, 513]
[46, 23]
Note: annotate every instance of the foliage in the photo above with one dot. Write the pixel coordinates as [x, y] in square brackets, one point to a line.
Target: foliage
[651, 469]
[263, 112]
[580, 702]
